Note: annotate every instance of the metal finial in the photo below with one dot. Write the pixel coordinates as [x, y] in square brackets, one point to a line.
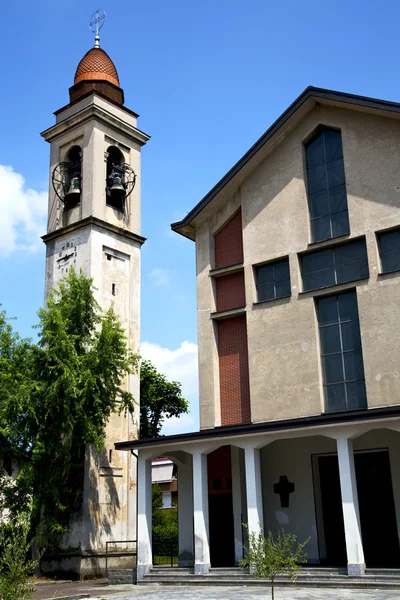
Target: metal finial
[96, 23]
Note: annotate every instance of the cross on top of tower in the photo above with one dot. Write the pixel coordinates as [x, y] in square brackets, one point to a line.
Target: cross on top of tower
[96, 23]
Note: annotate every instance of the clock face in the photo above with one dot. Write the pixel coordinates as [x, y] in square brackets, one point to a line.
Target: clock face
[66, 256]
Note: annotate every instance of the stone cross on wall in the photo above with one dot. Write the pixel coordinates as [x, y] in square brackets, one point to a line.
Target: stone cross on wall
[284, 488]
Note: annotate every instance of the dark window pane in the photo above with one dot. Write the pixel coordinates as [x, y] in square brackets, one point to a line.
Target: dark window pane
[330, 339]
[265, 274]
[389, 242]
[317, 179]
[338, 199]
[319, 204]
[281, 270]
[321, 229]
[391, 262]
[353, 365]
[315, 153]
[333, 368]
[335, 173]
[321, 279]
[266, 292]
[349, 253]
[356, 395]
[348, 306]
[352, 272]
[335, 396]
[340, 224]
[333, 144]
[351, 339]
[316, 261]
[282, 288]
[327, 310]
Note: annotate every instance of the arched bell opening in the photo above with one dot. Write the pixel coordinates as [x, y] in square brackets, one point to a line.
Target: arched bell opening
[67, 178]
[115, 180]
[120, 179]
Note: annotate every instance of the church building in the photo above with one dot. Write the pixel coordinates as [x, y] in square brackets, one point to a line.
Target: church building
[298, 294]
[94, 225]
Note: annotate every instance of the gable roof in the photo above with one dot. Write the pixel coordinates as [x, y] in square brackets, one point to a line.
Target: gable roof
[309, 98]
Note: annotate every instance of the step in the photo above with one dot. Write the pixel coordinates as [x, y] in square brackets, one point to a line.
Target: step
[350, 583]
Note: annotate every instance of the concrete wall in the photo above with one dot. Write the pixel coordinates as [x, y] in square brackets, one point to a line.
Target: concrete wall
[294, 458]
[285, 375]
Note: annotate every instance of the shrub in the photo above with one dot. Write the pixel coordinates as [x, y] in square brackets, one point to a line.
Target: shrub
[15, 569]
[269, 557]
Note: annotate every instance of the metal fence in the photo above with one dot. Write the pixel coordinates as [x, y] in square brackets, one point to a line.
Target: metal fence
[165, 552]
[121, 554]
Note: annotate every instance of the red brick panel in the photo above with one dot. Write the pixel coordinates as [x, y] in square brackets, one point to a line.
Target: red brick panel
[228, 243]
[230, 291]
[233, 371]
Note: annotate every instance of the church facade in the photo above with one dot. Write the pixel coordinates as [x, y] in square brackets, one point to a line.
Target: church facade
[94, 225]
[298, 291]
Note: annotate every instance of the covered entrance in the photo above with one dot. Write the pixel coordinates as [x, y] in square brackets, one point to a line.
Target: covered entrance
[376, 506]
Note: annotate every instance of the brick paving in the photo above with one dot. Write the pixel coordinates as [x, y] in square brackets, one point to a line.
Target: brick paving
[99, 590]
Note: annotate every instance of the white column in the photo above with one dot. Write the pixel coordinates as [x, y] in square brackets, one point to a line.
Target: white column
[237, 503]
[255, 518]
[185, 514]
[200, 510]
[351, 515]
[144, 520]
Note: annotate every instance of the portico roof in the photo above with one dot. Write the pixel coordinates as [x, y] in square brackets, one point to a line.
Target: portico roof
[309, 99]
[316, 422]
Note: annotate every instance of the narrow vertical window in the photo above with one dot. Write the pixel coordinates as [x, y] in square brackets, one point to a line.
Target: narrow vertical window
[326, 185]
[389, 250]
[341, 352]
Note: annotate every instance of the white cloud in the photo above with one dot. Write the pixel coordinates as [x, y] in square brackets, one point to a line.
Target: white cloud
[22, 213]
[178, 365]
[159, 276]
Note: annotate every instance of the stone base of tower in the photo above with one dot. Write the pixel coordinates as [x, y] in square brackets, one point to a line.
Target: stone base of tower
[83, 565]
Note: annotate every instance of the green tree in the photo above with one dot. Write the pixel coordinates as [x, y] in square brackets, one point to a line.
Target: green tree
[269, 557]
[159, 398]
[73, 382]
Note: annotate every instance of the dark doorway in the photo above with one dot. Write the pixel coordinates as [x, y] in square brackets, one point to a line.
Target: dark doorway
[220, 508]
[335, 544]
[221, 530]
[377, 510]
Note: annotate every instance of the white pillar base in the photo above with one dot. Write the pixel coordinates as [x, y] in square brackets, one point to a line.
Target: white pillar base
[201, 568]
[141, 571]
[355, 570]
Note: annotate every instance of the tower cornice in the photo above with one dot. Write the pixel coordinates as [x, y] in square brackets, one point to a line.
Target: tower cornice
[95, 112]
[93, 222]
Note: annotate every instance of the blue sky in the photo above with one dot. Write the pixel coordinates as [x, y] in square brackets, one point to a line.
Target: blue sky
[207, 79]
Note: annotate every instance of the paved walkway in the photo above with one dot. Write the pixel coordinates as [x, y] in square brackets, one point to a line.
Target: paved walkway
[99, 591]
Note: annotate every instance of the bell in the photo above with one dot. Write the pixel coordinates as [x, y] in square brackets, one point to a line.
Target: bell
[117, 189]
[74, 190]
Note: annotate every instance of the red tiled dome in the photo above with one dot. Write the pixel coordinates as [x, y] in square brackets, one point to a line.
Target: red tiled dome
[96, 65]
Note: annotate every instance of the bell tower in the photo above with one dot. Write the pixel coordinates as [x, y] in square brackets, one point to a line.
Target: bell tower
[94, 224]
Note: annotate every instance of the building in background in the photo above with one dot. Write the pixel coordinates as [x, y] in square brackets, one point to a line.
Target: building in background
[94, 225]
[162, 473]
[298, 291]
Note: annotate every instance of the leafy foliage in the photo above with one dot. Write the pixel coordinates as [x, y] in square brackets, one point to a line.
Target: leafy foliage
[269, 557]
[65, 389]
[159, 398]
[15, 569]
